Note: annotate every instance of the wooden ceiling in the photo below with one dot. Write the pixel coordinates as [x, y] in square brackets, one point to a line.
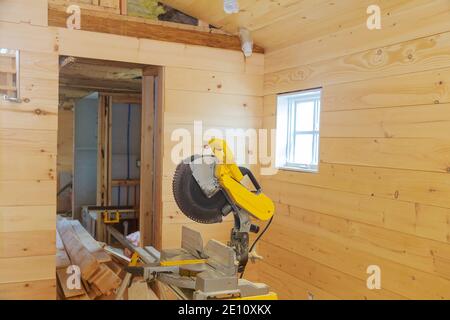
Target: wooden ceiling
[279, 23]
[80, 77]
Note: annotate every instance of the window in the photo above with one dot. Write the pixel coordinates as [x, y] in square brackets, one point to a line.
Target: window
[298, 117]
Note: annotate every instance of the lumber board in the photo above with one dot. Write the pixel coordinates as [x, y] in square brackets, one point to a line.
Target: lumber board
[139, 290]
[62, 259]
[62, 277]
[78, 254]
[89, 242]
[157, 230]
[172, 233]
[98, 274]
[148, 160]
[105, 280]
[95, 21]
[143, 255]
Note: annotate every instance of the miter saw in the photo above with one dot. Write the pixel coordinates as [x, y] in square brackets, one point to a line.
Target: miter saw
[207, 188]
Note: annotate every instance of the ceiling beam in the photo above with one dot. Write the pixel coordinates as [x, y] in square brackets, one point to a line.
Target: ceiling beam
[101, 85]
[103, 22]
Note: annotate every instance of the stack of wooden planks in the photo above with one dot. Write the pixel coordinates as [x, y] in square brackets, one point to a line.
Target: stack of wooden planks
[99, 274]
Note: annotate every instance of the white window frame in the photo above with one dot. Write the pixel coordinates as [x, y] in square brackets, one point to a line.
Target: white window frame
[287, 132]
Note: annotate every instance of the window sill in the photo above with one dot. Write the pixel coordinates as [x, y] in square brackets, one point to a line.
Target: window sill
[296, 169]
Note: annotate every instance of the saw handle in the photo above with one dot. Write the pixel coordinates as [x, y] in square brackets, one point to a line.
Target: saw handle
[246, 172]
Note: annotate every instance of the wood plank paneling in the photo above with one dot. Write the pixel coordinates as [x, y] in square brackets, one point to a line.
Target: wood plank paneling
[26, 244]
[405, 185]
[216, 82]
[113, 47]
[407, 57]
[27, 269]
[28, 147]
[27, 218]
[397, 278]
[417, 253]
[333, 281]
[290, 287]
[421, 19]
[28, 193]
[32, 12]
[412, 89]
[425, 121]
[27, 154]
[31, 290]
[380, 196]
[28, 132]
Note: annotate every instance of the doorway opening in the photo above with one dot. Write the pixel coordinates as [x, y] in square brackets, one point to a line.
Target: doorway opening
[109, 148]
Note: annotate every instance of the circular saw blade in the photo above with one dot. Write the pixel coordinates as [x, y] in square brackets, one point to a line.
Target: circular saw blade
[190, 198]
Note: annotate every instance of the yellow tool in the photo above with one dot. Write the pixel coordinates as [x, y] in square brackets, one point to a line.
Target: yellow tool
[172, 263]
[209, 187]
[111, 217]
[230, 176]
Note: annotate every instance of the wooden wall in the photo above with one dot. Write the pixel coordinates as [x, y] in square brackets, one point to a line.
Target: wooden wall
[381, 196]
[28, 138]
[221, 100]
[65, 159]
[214, 85]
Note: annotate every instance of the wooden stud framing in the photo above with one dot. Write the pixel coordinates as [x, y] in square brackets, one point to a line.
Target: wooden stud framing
[151, 159]
[124, 7]
[158, 158]
[147, 164]
[104, 159]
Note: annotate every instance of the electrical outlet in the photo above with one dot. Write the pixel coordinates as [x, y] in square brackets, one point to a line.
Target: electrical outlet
[310, 296]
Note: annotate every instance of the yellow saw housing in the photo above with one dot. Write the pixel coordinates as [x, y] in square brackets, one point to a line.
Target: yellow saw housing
[229, 177]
